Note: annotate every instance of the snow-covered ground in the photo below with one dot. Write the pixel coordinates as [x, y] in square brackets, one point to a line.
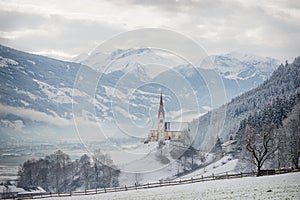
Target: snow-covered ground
[21, 191]
[127, 154]
[140, 163]
[220, 167]
[148, 167]
[8, 172]
[284, 186]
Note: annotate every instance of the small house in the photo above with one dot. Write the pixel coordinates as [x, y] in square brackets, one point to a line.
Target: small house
[229, 146]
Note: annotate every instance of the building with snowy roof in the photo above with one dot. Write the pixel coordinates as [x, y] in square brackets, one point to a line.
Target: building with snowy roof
[12, 191]
[229, 146]
[178, 131]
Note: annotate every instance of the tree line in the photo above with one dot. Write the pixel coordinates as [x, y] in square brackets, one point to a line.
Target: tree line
[58, 173]
[270, 138]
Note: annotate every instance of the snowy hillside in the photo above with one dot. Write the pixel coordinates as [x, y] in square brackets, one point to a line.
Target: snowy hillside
[37, 96]
[285, 186]
[145, 163]
[152, 164]
[220, 167]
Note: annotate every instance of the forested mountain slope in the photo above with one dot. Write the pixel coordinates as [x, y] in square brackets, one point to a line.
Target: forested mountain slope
[225, 121]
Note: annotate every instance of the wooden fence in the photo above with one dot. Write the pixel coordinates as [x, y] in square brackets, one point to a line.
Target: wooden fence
[148, 185]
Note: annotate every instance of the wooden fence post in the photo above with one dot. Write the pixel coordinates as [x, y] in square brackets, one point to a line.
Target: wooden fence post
[213, 176]
[241, 174]
[96, 190]
[192, 179]
[202, 178]
[227, 175]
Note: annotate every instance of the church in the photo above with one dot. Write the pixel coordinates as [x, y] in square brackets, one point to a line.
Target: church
[177, 131]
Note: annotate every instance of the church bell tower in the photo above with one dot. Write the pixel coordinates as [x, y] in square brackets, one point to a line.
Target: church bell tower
[161, 119]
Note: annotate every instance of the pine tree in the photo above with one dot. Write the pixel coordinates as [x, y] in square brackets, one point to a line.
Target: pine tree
[217, 147]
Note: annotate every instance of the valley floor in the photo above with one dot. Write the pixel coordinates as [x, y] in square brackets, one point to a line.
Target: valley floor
[284, 186]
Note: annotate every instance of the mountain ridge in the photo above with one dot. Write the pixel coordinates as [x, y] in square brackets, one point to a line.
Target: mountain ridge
[43, 88]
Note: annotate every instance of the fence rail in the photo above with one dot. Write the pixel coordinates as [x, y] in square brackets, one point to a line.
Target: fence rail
[144, 186]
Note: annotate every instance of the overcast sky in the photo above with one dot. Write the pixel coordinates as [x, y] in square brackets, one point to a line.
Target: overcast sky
[64, 29]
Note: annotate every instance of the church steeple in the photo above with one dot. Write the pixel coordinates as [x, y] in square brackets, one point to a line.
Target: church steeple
[178, 131]
[161, 120]
[161, 107]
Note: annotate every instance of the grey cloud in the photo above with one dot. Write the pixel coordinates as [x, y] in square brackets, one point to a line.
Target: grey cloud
[292, 4]
[72, 36]
[276, 36]
[171, 5]
[220, 26]
[12, 20]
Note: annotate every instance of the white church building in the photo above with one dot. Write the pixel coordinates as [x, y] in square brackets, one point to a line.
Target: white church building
[178, 131]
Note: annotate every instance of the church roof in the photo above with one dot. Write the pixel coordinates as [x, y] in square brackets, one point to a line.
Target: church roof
[176, 126]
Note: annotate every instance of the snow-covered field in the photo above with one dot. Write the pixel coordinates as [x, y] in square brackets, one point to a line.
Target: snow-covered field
[284, 186]
[8, 172]
[148, 167]
[220, 167]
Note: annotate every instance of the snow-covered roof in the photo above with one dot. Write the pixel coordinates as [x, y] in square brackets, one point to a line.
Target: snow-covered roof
[176, 126]
[10, 188]
[33, 190]
[15, 189]
[229, 142]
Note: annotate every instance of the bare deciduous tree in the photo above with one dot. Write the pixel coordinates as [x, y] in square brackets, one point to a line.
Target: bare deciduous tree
[105, 171]
[260, 144]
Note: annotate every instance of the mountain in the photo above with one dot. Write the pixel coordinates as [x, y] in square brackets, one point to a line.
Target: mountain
[36, 92]
[115, 96]
[282, 86]
[241, 72]
[235, 72]
[244, 66]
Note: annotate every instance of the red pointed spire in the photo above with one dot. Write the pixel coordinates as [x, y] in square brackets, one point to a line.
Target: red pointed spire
[161, 106]
[161, 100]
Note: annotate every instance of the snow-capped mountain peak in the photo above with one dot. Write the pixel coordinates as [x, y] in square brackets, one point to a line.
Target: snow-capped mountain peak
[124, 59]
[239, 66]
